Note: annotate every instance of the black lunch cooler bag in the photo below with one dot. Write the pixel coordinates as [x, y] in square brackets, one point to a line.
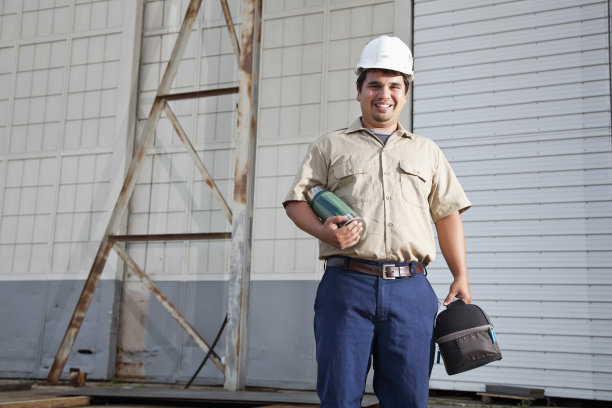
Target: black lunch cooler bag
[465, 337]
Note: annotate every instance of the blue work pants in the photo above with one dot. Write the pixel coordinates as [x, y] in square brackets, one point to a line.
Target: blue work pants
[359, 316]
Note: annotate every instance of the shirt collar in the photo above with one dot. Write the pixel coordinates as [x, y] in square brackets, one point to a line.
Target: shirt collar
[356, 126]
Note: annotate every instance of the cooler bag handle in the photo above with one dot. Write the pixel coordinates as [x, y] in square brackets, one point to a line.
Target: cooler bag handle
[455, 303]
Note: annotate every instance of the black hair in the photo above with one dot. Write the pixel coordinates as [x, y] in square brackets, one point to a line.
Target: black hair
[364, 72]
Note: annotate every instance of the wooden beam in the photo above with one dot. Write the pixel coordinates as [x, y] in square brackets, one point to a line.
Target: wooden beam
[208, 179]
[236, 345]
[199, 94]
[169, 306]
[194, 236]
[63, 402]
[127, 189]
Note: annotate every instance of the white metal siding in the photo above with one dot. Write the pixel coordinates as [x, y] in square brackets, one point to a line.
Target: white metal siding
[309, 52]
[517, 94]
[170, 195]
[64, 126]
[66, 121]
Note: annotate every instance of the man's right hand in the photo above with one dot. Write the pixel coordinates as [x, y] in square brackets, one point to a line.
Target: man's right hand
[340, 237]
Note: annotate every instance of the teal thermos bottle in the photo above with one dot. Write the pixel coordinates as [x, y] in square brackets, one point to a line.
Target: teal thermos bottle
[326, 204]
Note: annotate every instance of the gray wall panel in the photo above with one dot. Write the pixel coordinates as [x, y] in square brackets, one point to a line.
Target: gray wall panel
[537, 211]
[281, 343]
[205, 303]
[22, 305]
[153, 347]
[510, 23]
[517, 94]
[527, 275]
[439, 13]
[281, 339]
[436, 82]
[34, 318]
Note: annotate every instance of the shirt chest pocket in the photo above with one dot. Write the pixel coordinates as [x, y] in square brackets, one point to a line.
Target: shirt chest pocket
[353, 180]
[415, 183]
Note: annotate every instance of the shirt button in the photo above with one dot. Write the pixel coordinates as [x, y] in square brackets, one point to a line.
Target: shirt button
[388, 197]
[390, 224]
[386, 173]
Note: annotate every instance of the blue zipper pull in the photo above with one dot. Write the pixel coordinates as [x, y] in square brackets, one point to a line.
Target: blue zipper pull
[492, 333]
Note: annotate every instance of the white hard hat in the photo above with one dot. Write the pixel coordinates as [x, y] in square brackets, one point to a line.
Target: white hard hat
[387, 52]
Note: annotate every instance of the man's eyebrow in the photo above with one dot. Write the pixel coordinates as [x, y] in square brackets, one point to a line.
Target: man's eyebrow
[374, 82]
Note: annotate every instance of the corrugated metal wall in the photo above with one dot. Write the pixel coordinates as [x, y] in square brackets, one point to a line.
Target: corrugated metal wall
[517, 94]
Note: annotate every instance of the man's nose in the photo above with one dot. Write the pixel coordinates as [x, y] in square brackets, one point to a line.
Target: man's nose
[384, 91]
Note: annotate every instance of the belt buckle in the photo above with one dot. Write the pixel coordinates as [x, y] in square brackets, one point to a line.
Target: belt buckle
[384, 268]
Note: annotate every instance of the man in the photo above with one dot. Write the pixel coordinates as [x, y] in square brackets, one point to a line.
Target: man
[374, 299]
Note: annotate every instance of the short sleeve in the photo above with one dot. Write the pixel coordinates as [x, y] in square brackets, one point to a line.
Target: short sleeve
[447, 195]
[312, 172]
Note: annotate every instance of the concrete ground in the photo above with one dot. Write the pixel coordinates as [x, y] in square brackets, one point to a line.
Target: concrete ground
[26, 394]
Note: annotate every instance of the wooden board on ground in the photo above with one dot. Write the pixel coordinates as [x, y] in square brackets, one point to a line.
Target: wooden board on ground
[488, 398]
[63, 402]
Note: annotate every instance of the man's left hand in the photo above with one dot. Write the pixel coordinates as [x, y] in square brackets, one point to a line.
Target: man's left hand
[460, 288]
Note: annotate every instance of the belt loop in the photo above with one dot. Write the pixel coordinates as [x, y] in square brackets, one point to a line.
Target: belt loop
[412, 269]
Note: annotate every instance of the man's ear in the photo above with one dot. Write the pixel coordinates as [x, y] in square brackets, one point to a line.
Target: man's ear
[358, 94]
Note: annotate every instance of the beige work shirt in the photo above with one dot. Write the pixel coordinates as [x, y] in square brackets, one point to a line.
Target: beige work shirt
[394, 188]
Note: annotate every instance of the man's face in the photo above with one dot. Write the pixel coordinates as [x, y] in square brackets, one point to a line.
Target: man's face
[382, 99]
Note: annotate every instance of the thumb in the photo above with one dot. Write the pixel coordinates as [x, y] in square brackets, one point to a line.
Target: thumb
[337, 219]
[449, 298]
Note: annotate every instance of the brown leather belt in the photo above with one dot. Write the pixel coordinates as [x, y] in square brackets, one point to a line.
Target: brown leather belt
[386, 271]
